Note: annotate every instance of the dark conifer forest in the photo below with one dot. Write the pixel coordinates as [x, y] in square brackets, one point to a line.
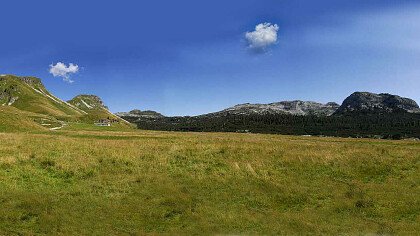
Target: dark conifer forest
[373, 125]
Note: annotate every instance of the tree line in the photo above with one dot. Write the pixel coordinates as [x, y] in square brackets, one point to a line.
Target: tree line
[389, 126]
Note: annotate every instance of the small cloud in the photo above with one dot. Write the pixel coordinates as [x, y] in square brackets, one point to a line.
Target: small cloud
[61, 70]
[264, 36]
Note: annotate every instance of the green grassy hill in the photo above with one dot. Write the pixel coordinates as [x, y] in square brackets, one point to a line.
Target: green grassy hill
[96, 110]
[15, 120]
[28, 105]
[29, 94]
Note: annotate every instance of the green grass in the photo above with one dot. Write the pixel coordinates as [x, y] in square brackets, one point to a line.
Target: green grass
[78, 126]
[140, 182]
[14, 120]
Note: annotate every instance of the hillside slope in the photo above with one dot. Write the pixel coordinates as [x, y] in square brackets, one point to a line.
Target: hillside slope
[13, 120]
[29, 94]
[95, 110]
[27, 105]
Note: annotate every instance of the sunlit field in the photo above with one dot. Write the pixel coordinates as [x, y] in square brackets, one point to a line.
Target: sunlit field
[137, 182]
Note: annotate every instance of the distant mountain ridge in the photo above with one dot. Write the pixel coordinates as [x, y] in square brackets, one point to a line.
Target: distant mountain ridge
[362, 114]
[140, 114]
[357, 102]
[285, 107]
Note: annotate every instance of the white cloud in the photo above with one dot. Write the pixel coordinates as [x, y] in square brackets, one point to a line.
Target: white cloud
[61, 70]
[265, 35]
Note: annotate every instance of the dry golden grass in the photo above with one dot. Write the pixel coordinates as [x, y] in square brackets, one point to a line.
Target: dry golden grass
[136, 182]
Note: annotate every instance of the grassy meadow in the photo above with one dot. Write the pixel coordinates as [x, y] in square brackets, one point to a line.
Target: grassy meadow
[141, 182]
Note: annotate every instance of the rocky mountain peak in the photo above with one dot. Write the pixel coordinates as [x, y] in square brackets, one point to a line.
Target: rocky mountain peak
[88, 102]
[382, 103]
[30, 80]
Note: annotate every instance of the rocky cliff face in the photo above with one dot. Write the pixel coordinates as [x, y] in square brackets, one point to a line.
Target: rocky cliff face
[286, 107]
[380, 103]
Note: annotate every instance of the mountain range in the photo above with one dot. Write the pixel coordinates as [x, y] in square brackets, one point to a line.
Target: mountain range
[358, 102]
[26, 104]
[362, 114]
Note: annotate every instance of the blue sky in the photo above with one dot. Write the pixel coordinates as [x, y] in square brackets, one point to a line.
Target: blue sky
[190, 57]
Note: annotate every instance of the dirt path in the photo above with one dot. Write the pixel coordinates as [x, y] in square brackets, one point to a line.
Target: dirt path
[59, 127]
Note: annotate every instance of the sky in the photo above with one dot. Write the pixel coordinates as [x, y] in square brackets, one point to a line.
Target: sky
[190, 57]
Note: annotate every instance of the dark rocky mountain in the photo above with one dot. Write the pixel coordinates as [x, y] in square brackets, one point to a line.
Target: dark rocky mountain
[364, 102]
[301, 108]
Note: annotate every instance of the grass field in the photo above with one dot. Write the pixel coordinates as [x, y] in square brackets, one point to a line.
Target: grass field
[140, 182]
